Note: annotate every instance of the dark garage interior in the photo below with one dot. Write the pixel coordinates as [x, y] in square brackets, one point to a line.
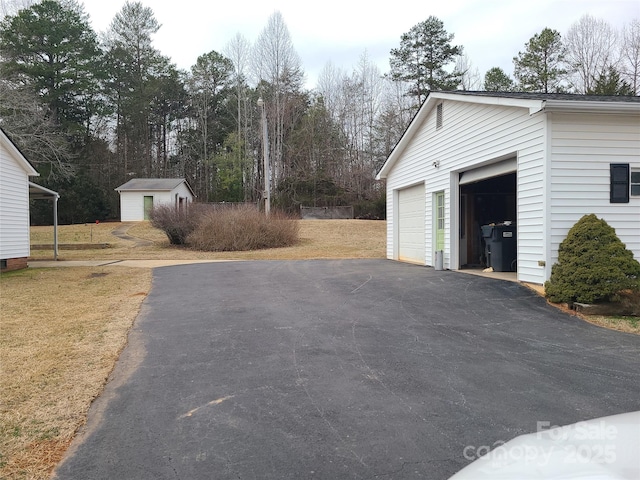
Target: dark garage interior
[485, 202]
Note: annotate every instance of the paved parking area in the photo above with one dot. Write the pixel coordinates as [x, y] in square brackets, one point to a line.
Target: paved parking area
[352, 369]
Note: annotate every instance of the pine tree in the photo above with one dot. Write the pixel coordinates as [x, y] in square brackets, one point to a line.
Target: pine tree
[540, 68]
[496, 80]
[610, 82]
[420, 60]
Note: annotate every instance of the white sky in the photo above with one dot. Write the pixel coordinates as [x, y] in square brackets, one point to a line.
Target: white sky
[491, 31]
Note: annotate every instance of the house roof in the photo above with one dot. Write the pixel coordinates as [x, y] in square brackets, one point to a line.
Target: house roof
[158, 184]
[17, 154]
[548, 96]
[534, 102]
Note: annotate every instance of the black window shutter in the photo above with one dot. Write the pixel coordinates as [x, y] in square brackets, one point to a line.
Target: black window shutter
[619, 192]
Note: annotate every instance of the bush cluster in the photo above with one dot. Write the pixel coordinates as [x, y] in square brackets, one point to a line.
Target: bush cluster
[176, 223]
[203, 227]
[243, 228]
[593, 265]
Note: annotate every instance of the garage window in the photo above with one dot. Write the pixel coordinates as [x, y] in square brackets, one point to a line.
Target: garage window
[635, 183]
[619, 179]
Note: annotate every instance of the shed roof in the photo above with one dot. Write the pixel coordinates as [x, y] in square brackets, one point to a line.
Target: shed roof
[534, 102]
[149, 184]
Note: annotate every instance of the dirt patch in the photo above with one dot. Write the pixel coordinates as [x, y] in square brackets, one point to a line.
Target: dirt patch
[98, 275]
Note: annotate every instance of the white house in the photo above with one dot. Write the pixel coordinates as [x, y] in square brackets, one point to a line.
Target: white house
[139, 195]
[15, 171]
[539, 161]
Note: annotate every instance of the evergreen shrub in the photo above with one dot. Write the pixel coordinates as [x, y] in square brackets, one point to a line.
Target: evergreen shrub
[593, 265]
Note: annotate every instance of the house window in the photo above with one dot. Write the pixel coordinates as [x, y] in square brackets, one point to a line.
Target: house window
[619, 180]
[439, 116]
[635, 183]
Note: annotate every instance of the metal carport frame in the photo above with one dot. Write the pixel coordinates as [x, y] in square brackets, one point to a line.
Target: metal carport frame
[38, 192]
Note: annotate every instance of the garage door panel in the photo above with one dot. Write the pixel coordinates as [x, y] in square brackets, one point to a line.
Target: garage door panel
[411, 224]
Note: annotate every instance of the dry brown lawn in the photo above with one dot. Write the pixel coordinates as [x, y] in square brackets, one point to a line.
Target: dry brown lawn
[318, 239]
[62, 329]
[61, 332]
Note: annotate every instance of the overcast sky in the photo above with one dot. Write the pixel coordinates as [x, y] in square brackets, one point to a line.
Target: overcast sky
[491, 31]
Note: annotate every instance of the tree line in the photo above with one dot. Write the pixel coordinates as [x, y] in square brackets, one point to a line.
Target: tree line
[92, 112]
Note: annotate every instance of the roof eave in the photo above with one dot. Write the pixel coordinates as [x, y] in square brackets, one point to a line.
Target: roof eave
[143, 189]
[42, 191]
[568, 106]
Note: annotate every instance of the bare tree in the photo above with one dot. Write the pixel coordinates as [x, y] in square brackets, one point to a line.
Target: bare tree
[278, 69]
[27, 121]
[328, 87]
[630, 54]
[592, 48]
[238, 50]
[11, 7]
[469, 75]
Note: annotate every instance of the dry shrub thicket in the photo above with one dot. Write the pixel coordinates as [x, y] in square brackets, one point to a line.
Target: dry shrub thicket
[243, 228]
[176, 223]
[206, 228]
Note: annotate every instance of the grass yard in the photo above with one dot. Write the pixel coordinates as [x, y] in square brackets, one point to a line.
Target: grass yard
[318, 239]
[62, 331]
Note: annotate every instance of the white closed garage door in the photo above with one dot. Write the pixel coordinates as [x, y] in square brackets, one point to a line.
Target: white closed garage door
[411, 221]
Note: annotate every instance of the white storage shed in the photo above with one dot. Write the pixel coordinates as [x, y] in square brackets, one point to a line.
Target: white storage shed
[139, 195]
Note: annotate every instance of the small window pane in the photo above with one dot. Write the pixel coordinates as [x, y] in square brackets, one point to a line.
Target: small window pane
[635, 177]
[619, 191]
[619, 173]
[635, 190]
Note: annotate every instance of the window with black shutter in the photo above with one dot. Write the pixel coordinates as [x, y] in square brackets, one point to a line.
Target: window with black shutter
[619, 192]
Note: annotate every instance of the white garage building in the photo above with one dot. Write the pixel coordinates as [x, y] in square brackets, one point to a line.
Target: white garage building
[139, 195]
[539, 161]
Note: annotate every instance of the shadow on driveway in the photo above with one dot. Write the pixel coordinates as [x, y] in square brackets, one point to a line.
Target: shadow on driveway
[353, 369]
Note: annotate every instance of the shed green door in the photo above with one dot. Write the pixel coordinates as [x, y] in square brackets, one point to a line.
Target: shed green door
[148, 205]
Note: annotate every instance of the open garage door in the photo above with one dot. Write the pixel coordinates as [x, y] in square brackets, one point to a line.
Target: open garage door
[487, 195]
[411, 224]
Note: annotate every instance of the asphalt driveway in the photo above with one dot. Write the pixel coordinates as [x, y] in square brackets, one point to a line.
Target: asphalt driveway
[342, 369]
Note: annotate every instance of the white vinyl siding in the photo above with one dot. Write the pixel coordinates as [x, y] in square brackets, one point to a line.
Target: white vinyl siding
[474, 135]
[582, 149]
[14, 207]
